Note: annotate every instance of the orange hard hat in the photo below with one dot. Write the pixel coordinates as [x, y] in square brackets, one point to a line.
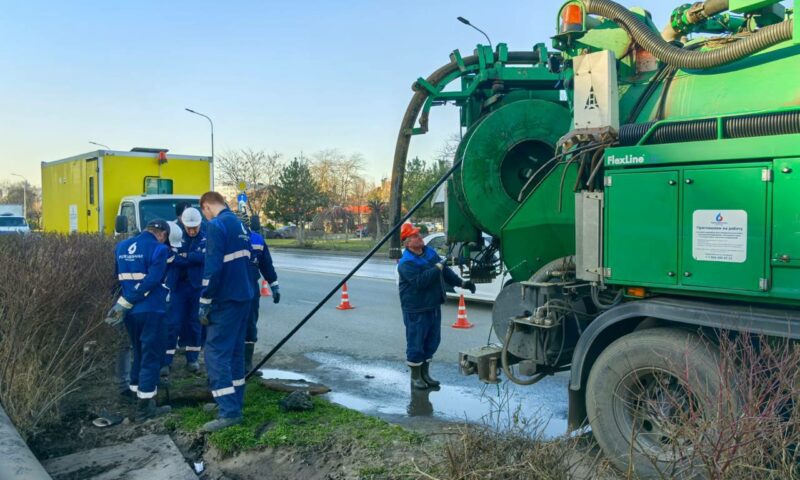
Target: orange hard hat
[407, 230]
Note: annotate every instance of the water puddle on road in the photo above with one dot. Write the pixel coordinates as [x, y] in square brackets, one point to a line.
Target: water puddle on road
[382, 388]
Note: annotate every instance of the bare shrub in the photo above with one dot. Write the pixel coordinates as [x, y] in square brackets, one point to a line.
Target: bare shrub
[54, 292]
[747, 429]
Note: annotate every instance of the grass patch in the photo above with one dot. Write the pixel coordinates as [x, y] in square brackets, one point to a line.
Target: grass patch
[266, 425]
[355, 245]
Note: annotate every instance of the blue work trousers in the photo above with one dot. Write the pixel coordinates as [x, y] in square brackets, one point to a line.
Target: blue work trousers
[224, 354]
[124, 356]
[252, 320]
[423, 335]
[147, 333]
[184, 327]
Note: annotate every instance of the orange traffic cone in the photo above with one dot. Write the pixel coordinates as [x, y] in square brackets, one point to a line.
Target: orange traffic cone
[265, 289]
[345, 304]
[461, 320]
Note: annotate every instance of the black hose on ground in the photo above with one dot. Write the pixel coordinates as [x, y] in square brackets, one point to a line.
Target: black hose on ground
[369, 255]
[409, 119]
[689, 59]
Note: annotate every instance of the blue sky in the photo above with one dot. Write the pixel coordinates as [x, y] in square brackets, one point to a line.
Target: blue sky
[280, 76]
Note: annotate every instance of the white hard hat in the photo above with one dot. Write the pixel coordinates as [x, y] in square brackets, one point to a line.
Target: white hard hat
[175, 234]
[191, 217]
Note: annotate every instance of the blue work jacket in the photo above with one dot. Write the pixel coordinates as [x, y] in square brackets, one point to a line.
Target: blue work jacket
[141, 265]
[190, 259]
[261, 261]
[226, 275]
[422, 284]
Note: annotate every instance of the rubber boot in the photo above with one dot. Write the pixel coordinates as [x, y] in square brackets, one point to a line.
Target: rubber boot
[165, 371]
[147, 409]
[220, 423]
[193, 367]
[416, 378]
[426, 376]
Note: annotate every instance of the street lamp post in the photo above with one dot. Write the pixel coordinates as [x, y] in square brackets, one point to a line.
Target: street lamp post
[24, 195]
[212, 142]
[100, 145]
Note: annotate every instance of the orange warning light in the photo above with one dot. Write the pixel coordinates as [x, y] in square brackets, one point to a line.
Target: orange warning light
[571, 18]
[637, 292]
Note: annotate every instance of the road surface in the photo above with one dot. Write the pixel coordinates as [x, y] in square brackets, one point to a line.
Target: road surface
[360, 353]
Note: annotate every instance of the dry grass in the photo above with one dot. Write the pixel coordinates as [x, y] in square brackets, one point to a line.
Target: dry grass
[54, 292]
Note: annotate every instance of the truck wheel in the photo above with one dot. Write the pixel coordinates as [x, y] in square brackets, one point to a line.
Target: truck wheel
[638, 392]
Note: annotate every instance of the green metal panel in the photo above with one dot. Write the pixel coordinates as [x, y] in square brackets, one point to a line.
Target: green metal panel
[786, 213]
[457, 225]
[724, 228]
[541, 229]
[746, 6]
[641, 234]
[785, 256]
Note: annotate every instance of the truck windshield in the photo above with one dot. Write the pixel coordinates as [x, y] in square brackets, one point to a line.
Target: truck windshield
[162, 208]
[12, 221]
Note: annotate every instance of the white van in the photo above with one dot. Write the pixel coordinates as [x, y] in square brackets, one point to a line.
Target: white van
[10, 223]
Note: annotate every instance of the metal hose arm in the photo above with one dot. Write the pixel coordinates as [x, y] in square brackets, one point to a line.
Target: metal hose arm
[689, 59]
[406, 126]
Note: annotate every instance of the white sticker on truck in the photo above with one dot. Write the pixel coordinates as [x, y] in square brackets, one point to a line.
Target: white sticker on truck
[73, 218]
[719, 236]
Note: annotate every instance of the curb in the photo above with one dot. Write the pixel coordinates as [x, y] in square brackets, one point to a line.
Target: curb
[18, 460]
[310, 251]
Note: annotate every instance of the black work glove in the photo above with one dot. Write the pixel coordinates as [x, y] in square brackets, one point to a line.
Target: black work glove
[468, 285]
[205, 309]
[276, 294]
[116, 315]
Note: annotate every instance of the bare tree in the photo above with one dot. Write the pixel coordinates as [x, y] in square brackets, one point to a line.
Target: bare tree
[257, 169]
[340, 176]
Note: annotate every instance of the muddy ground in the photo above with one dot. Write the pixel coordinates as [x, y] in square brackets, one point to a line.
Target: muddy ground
[339, 459]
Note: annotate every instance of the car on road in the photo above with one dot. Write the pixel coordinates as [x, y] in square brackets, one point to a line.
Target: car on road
[10, 224]
[484, 292]
[269, 233]
[289, 231]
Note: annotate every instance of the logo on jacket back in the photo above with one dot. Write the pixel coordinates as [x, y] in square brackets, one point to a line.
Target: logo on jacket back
[132, 249]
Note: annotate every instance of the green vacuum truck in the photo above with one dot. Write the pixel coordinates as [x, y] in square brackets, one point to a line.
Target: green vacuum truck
[642, 188]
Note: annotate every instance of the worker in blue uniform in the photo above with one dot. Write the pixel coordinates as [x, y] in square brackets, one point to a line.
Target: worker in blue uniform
[423, 276]
[174, 242]
[260, 265]
[186, 277]
[141, 264]
[224, 306]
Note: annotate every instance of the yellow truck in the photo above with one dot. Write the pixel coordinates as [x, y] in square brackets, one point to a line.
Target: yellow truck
[109, 191]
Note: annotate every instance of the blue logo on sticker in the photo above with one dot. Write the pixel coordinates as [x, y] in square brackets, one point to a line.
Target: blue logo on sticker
[719, 217]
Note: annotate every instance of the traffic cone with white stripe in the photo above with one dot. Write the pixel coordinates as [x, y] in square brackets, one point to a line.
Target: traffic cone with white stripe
[265, 289]
[461, 319]
[345, 303]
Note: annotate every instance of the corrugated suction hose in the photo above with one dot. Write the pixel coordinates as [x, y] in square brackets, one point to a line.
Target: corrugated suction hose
[689, 59]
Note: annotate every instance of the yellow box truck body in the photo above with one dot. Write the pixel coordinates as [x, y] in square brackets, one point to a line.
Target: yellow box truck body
[84, 193]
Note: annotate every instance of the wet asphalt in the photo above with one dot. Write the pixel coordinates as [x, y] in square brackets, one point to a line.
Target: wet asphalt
[360, 353]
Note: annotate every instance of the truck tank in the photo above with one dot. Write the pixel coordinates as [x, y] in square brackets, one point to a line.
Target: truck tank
[633, 179]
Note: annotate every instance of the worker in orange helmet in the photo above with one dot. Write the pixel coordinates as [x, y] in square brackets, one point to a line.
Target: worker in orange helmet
[423, 279]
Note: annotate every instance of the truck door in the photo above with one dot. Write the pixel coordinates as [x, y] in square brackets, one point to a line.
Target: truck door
[92, 198]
